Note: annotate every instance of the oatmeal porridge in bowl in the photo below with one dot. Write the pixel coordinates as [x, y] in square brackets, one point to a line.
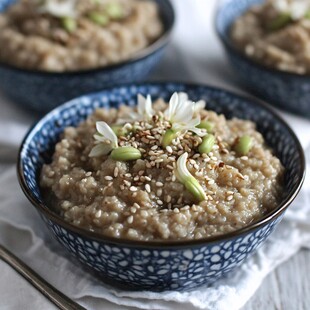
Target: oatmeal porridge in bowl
[276, 33]
[163, 171]
[70, 35]
[161, 186]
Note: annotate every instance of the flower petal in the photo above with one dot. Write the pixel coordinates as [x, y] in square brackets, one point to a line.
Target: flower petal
[182, 171]
[199, 105]
[106, 131]
[144, 107]
[100, 149]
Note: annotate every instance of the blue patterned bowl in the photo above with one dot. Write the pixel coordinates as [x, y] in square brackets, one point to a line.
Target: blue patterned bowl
[42, 91]
[289, 91]
[167, 265]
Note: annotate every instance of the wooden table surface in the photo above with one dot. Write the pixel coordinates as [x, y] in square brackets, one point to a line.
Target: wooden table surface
[286, 288]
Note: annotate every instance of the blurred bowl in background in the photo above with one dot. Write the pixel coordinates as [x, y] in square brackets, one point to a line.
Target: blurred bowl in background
[289, 91]
[42, 91]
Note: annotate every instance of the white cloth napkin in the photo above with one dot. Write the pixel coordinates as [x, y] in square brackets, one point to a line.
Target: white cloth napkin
[195, 56]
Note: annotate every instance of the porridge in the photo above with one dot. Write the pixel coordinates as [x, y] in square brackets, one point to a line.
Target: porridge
[68, 35]
[276, 34]
[158, 172]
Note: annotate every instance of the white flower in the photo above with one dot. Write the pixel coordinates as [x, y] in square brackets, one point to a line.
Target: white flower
[144, 111]
[106, 140]
[296, 8]
[199, 105]
[144, 107]
[63, 8]
[180, 114]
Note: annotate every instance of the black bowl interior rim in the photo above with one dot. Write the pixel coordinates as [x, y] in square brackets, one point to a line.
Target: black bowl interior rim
[230, 46]
[166, 8]
[42, 208]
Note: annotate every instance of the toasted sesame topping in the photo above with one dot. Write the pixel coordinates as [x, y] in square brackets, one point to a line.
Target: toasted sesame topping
[148, 188]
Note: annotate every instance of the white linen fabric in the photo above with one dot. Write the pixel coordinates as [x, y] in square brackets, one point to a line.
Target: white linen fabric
[194, 55]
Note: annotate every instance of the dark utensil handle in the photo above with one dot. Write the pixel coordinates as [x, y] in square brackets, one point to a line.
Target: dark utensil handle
[59, 299]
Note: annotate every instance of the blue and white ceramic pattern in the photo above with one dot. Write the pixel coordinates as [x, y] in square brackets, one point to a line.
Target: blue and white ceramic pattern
[42, 91]
[179, 265]
[289, 91]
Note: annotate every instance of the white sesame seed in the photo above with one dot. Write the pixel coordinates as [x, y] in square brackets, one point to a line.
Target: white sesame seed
[160, 202]
[244, 157]
[148, 188]
[159, 184]
[169, 149]
[133, 188]
[213, 158]
[108, 178]
[168, 198]
[148, 178]
[127, 183]
[98, 214]
[133, 210]
[115, 172]
[159, 192]
[230, 197]
[136, 205]
[210, 182]
[88, 174]
[176, 210]
[128, 175]
[130, 219]
[144, 213]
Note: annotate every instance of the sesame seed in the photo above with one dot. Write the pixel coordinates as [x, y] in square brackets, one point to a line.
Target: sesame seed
[88, 174]
[133, 210]
[98, 214]
[159, 192]
[173, 178]
[130, 219]
[133, 189]
[115, 172]
[136, 205]
[136, 178]
[154, 147]
[176, 210]
[127, 183]
[169, 149]
[168, 198]
[213, 158]
[108, 178]
[128, 175]
[159, 184]
[244, 157]
[196, 167]
[144, 213]
[148, 188]
[148, 178]
[210, 182]
[160, 202]
[230, 197]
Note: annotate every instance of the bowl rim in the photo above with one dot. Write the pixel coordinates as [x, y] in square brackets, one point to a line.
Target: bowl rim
[136, 57]
[272, 215]
[230, 46]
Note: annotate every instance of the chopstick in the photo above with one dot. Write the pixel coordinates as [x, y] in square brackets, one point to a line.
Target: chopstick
[59, 299]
